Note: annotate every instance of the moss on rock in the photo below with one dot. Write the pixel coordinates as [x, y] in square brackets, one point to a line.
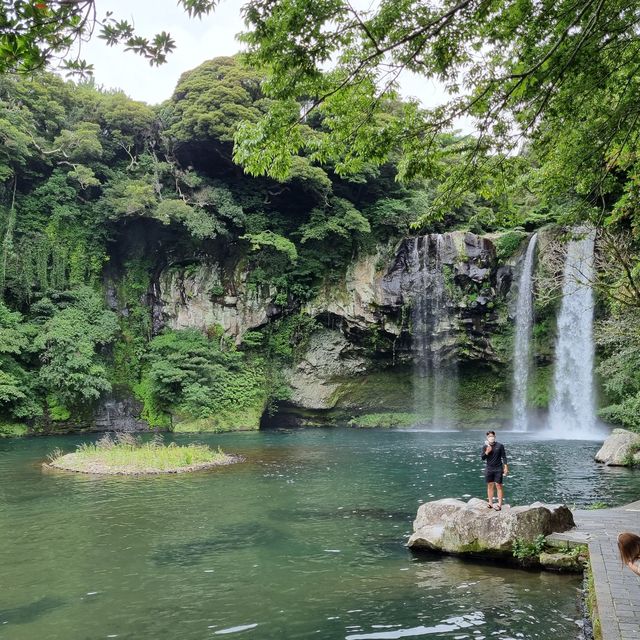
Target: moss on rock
[13, 429]
[386, 390]
[241, 419]
[540, 387]
[384, 420]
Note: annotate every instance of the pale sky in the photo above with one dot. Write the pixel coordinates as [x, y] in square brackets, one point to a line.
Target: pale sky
[196, 41]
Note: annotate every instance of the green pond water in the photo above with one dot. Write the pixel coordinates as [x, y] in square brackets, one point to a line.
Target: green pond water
[303, 540]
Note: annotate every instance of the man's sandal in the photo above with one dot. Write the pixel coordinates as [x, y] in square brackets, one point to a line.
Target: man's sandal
[489, 505]
[498, 507]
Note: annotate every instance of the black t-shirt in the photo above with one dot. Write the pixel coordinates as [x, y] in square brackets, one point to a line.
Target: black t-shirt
[496, 458]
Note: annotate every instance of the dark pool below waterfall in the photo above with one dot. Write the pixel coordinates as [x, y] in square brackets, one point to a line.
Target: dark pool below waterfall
[303, 540]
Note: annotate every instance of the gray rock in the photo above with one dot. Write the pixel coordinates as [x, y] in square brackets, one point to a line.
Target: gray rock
[329, 358]
[504, 278]
[119, 412]
[111, 296]
[453, 526]
[478, 247]
[184, 300]
[391, 283]
[482, 301]
[557, 561]
[452, 247]
[619, 449]
[468, 271]
[478, 274]
[356, 301]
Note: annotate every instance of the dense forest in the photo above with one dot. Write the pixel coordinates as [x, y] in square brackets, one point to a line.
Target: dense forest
[252, 337]
[94, 184]
[99, 194]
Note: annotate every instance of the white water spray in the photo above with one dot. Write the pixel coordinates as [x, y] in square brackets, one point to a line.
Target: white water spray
[435, 374]
[522, 347]
[572, 410]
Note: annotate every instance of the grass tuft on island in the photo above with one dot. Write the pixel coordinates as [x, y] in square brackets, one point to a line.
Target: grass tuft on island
[126, 454]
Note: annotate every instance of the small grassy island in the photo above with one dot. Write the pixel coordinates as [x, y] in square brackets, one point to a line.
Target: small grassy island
[128, 455]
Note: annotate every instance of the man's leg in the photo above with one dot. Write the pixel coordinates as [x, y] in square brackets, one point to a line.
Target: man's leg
[490, 486]
[500, 493]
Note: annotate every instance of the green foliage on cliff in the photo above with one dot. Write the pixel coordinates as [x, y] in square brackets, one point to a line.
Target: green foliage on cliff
[100, 196]
[16, 386]
[72, 327]
[270, 239]
[507, 244]
[197, 375]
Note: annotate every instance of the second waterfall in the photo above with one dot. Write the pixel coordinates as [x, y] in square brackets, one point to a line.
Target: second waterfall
[522, 346]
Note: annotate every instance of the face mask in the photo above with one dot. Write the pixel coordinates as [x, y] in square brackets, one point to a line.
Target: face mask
[491, 440]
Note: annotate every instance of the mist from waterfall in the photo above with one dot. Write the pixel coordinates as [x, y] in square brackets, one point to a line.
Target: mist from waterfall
[522, 346]
[435, 375]
[572, 410]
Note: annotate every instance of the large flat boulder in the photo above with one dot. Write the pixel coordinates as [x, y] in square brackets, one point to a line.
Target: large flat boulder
[620, 449]
[454, 526]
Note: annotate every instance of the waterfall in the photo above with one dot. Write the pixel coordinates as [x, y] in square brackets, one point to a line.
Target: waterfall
[435, 374]
[572, 410]
[522, 347]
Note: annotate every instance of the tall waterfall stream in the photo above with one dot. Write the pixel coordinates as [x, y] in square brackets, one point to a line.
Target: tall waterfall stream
[572, 410]
[522, 346]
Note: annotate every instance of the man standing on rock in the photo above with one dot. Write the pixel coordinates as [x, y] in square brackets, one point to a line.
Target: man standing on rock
[495, 456]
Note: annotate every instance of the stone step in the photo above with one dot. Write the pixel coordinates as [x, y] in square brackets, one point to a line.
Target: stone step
[568, 539]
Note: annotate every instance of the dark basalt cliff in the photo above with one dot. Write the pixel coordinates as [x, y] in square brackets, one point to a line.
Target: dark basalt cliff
[359, 360]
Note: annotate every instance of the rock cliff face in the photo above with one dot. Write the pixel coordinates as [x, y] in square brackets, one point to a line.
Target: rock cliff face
[317, 378]
[373, 294]
[119, 412]
[360, 360]
[194, 297]
[379, 290]
[369, 315]
[115, 411]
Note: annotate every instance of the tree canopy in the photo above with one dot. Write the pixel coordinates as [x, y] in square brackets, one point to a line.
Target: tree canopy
[552, 83]
[289, 160]
[556, 78]
[33, 34]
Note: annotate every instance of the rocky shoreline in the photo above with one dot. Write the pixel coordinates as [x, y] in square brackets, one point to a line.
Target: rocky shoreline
[514, 535]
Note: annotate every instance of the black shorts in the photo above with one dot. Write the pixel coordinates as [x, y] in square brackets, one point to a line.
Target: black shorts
[493, 475]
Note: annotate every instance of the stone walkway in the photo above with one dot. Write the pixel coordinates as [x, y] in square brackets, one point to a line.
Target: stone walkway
[617, 589]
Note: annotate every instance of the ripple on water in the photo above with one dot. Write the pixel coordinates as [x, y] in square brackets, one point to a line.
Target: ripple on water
[258, 544]
[238, 629]
[475, 619]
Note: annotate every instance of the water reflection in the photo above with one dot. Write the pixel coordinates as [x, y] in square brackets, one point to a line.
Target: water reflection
[31, 611]
[305, 539]
[227, 539]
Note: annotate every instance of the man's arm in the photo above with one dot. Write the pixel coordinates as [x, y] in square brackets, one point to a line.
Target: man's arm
[486, 450]
[505, 465]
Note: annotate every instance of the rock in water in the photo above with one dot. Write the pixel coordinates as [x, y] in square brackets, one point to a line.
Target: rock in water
[562, 561]
[620, 449]
[453, 526]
